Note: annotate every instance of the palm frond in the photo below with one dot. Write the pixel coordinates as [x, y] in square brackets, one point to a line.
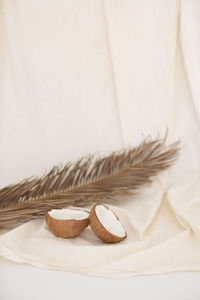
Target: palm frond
[89, 180]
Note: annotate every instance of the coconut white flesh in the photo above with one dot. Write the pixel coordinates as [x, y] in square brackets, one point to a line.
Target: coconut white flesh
[109, 221]
[68, 214]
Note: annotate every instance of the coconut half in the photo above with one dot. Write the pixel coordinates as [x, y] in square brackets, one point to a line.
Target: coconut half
[67, 223]
[106, 225]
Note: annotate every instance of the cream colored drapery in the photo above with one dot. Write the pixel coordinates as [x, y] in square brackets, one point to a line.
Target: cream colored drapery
[93, 76]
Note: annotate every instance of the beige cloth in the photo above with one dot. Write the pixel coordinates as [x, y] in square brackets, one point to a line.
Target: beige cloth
[89, 76]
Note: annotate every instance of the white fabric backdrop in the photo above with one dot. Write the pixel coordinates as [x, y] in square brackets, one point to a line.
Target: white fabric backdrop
[91, 76]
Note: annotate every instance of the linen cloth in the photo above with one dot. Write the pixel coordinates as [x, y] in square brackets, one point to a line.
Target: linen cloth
[93, 76]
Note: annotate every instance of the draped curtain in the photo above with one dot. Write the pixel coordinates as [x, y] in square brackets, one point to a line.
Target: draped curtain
[93, 76]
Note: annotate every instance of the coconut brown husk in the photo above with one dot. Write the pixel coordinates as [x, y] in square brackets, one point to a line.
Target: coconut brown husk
[66, 228]
[100, 231]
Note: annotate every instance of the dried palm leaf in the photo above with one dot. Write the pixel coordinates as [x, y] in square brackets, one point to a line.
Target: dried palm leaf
[89, 180]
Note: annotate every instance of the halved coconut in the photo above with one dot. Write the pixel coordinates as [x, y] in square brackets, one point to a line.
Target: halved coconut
[106, 225]
[67, 223]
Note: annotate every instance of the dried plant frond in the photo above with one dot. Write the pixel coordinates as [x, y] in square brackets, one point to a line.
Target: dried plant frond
[89, 180]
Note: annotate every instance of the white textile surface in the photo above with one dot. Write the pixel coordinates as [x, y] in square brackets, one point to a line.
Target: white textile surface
[94, 76]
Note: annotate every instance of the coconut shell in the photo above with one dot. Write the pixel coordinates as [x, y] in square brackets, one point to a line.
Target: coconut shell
[100, 231]
[66, 228]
